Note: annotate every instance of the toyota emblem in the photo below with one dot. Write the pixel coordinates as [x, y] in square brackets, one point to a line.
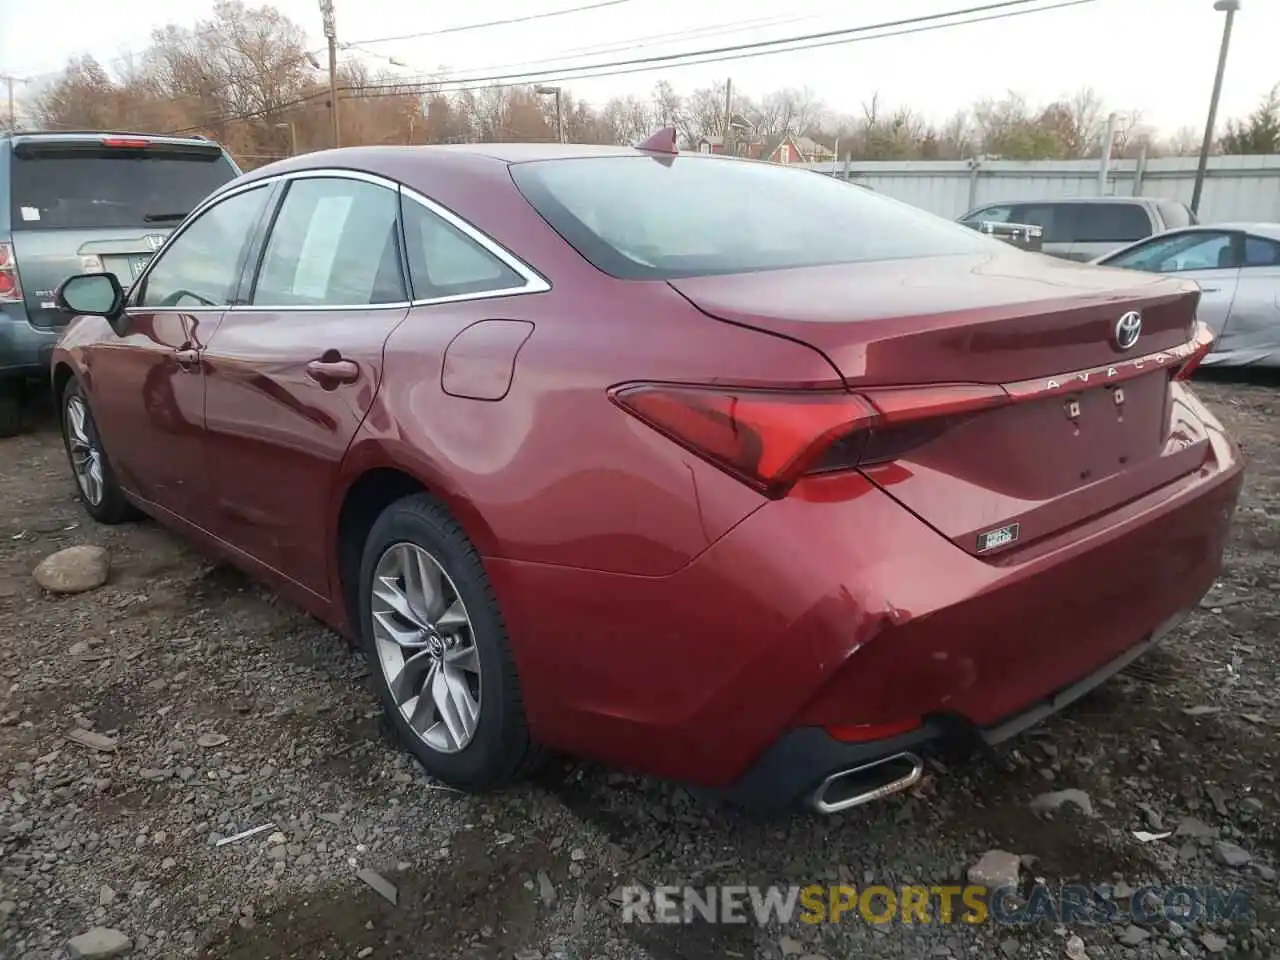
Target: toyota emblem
[1128, 329]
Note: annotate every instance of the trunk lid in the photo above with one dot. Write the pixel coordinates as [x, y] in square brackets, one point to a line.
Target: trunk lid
[47, 257]
[1088, 430]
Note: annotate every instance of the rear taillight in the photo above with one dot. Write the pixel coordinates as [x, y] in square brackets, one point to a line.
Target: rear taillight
[769, 439]
[10, 288]
[129, 142]
[1201, 346]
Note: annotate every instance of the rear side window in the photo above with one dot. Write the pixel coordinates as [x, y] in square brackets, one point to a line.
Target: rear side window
[445, 262]
[1111, 223]
[1260, 252]
[334, 244]
[641, 218]
[57, 186]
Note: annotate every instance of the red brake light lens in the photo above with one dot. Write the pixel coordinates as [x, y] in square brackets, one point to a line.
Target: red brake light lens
[10, 289]
[769, 439]
[1201, 346]
[125, 142]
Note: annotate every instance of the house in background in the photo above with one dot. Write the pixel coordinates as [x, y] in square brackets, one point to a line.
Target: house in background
[788, 149]
[791, 149]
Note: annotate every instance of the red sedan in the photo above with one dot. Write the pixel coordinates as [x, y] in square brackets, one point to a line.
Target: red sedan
[715, 469]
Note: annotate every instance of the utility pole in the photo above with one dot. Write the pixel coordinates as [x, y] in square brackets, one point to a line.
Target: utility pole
[1104, 163]
[1230, 7]
[13, 114]
[728, 115]
[331, 34]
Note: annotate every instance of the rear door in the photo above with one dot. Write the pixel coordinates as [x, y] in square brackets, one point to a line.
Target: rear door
[1252, 332]
[100, 203]
[292, 373]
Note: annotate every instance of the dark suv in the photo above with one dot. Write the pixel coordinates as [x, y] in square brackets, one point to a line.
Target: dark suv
[83, 202]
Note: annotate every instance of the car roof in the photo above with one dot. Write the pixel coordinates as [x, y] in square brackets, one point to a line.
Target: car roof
[1041, 200]
[1261, 228]
[446, 171]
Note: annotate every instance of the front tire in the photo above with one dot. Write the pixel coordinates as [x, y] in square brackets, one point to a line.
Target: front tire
[438, 650]
[96, 484]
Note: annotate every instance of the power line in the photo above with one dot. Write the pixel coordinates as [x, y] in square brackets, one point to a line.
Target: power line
[750, 51]
[737, 50]
[714, 29]
[643, 65]
[494, 23]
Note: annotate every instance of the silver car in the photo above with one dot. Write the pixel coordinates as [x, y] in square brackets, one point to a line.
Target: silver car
[1237, 266]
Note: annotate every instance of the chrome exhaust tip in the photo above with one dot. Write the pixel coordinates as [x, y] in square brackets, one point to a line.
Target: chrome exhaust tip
[867, 782]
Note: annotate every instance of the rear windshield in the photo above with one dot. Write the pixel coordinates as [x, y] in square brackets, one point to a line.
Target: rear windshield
[639, 218]
[68, 187]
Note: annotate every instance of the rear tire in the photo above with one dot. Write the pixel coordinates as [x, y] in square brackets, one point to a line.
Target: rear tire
[438, 650]
[10, 408]
[96, 485]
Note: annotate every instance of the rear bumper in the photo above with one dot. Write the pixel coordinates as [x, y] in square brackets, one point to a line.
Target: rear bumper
[837, 607]
[24, 350]
[793, 770]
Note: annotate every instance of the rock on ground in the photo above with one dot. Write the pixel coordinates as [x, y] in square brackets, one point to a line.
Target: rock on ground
[1053, 801]
[996, 869]
[98, 943]
[74, 570]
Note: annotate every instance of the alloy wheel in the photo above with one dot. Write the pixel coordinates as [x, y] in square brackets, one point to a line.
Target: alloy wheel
[426, 647]
[86, 451]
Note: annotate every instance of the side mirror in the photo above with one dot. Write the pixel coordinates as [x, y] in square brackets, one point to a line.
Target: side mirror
[92, 294]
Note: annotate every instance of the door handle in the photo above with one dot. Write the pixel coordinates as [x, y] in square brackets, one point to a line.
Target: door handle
[188, 358]
[333, 371]
[1210, 289]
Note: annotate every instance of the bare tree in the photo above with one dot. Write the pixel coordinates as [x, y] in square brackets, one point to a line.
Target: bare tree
[245, 77]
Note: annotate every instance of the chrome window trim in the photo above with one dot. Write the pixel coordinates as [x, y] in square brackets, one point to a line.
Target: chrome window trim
[534, 281]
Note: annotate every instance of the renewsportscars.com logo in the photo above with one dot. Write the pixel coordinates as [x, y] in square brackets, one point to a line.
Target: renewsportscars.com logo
[817, 903]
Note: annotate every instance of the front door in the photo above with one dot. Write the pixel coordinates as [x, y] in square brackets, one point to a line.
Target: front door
[150, 407]
[291, 375]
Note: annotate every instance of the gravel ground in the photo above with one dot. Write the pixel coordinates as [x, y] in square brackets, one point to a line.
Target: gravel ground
[228, 709]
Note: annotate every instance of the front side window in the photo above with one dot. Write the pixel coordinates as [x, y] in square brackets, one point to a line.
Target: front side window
[1185, 251]
[445, 262]
[334, 244]
[201, 267]
[641, 218]
[1000, 214]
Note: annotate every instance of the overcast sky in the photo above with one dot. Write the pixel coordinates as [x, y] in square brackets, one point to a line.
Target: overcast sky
[1152, 56]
